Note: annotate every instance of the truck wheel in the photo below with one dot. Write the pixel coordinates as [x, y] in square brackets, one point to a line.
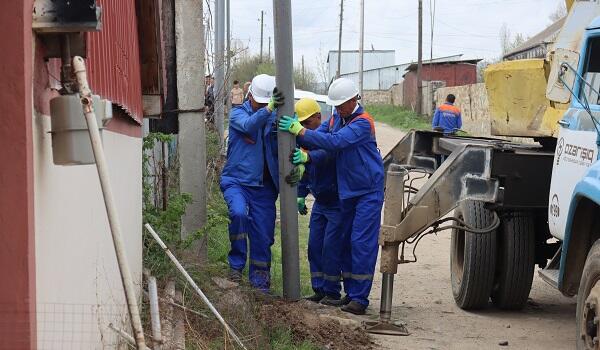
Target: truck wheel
[473, 257]
[588, 301]
[516, 260]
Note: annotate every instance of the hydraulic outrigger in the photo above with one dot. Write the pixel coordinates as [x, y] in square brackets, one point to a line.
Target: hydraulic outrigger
[502, 174]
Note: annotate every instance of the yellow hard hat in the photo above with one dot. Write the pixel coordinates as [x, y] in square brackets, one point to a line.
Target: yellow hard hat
[306, 107]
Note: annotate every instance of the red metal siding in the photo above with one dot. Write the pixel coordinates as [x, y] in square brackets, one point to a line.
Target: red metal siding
[453, 74]
[17, 256]
[113, 57]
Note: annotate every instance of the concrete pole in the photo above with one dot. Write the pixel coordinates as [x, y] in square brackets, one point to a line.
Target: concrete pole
[362, 47]
[419, 102]
[262, 26]
[189, 47]
[339, 62]
[219, 88]
[282, 14]
[228, 57]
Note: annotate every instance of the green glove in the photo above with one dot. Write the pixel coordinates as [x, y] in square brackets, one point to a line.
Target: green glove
[302, 206]
[299, 156]
[290, 124]
[295, 175]
[276, 100]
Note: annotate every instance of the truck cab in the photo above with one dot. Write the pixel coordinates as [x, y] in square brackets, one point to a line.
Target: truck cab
[574, 198]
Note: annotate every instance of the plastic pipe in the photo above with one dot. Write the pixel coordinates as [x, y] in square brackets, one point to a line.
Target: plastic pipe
[113, 220]
[194, 285]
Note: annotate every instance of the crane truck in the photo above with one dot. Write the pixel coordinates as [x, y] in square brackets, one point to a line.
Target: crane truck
[511, 206]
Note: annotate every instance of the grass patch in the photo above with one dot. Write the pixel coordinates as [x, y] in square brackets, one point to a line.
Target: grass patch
[398, 117]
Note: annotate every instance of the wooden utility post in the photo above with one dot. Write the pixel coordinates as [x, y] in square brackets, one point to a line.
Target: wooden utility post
[262, 15]
[419, 106]
[339, 62]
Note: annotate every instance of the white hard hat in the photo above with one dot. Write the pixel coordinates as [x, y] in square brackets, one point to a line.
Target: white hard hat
[340, 91]
[262, 88]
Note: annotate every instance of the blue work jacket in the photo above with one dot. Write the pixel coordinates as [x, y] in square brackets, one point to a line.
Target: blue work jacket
[320, 177]
[359, 166]
[252, 140]
[448, 117]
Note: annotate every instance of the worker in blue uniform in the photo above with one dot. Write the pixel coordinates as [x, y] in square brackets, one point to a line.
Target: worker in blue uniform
[447, 117]
[249, 181]
[360, 178]
[325, 235]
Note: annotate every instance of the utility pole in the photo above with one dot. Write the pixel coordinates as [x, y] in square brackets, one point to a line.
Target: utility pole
[339, 62]
[228, 72]
[303, 76]
[419, 107]
[269, 48]
[286, 142]
[361, 49]
[219, 87]
[262, 14]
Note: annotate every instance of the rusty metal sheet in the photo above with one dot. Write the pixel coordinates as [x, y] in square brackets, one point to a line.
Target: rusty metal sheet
[113, 57]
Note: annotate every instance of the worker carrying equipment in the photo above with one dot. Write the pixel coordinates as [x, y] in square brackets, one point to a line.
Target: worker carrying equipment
[250, 181]
[325, 235]
[350, 134]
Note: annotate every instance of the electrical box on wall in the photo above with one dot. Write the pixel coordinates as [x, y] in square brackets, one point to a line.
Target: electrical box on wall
[66, 16]
[71, 143]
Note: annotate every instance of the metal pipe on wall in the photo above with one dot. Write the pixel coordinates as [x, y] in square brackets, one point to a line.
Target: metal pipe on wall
[286, 142]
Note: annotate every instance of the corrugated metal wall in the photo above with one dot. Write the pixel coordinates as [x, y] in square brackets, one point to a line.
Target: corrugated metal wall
[113, 57]
[350, 60]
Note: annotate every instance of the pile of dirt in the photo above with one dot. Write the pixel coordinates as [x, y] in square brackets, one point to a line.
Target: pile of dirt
[305, 323]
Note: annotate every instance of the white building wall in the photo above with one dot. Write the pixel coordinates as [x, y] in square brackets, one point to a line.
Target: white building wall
[350, 61]
[78, 286]
[380, 79]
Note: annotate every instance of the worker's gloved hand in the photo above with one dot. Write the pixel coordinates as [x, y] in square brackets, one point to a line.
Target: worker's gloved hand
[295, 175]
[299, 156]
[276, 100]
[302, 209]
[290, 124]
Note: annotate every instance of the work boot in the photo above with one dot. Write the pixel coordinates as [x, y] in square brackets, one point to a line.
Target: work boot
[235, 275]
[329, 301]
[355, 308]
[316, 298]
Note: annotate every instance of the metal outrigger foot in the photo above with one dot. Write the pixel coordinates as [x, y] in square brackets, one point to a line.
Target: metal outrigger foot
[384, 325]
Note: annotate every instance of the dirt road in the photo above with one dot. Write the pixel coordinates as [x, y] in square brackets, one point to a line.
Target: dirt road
[423, 300]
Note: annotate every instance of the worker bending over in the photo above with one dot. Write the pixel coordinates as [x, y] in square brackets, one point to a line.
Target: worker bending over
[359, 167]
[249, 181]
[325, 236]
[447, 117]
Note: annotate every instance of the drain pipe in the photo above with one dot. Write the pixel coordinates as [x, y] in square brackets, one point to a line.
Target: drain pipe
[90, 117]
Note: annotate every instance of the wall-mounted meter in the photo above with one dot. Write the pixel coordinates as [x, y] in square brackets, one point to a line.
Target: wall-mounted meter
[71, 143]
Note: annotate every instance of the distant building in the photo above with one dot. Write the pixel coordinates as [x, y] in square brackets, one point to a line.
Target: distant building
[450, 73]
[383, 78]
[537, 46]
[350, 59]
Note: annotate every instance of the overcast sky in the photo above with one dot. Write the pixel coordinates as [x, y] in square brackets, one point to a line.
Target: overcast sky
[470, 27]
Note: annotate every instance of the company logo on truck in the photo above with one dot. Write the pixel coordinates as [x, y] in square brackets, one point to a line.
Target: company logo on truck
[554, 209]
[574, 154]
[559, 149]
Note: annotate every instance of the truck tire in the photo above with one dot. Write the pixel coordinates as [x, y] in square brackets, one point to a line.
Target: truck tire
[516, 261]
[473, 257]
[588, 304]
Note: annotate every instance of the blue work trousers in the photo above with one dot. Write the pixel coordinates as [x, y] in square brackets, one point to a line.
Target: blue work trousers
[361, 223]
[252, 219]
[325, 249]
